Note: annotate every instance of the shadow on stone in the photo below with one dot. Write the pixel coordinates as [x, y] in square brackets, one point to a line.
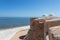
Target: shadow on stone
[22, 37]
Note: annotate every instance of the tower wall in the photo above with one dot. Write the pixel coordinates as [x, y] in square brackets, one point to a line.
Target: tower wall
[36, 31]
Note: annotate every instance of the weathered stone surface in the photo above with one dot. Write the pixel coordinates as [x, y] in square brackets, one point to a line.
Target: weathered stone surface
[31, 20]
[54, 33]
[36, 31]
[53, 23]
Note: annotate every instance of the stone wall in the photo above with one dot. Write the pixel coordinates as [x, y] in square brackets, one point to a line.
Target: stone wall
[54, 33]
[36, 31]
[51, 24]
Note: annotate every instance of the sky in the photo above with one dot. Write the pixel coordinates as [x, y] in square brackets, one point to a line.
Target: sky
[29, 8]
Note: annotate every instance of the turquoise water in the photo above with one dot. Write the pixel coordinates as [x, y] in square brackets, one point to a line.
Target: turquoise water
[9, 22]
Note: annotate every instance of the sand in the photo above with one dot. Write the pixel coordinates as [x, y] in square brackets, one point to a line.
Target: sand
[18, 34]
[7, 34]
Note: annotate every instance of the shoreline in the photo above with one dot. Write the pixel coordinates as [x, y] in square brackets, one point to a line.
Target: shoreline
[14, 27]
[7, 34]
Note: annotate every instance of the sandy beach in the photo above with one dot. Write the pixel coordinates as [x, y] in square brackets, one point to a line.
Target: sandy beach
[7, 34]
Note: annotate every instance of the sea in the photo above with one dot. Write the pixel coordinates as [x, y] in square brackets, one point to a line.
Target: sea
[11, 22]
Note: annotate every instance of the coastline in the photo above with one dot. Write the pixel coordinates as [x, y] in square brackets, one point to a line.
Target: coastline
[14, 27]
[7, 34]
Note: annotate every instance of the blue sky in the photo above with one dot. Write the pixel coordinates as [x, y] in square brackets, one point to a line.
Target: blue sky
[29, 8]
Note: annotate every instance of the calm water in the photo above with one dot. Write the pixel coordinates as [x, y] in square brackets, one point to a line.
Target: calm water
[9, 22]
